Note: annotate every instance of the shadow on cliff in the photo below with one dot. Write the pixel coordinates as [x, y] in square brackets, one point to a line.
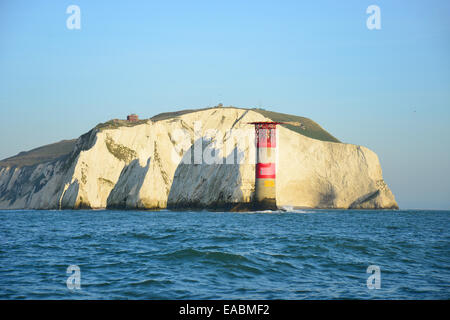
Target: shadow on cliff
[327, 196]
[214, 186]
[126, 190]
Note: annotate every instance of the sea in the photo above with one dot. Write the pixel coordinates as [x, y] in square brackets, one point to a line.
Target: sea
[290, 254]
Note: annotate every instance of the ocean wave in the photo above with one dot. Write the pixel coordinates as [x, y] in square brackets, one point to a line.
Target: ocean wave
[145, 235]
[82, 236]
[191, 253]
[148, 282]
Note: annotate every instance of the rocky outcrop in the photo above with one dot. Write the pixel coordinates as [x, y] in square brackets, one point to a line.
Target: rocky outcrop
[151, 165]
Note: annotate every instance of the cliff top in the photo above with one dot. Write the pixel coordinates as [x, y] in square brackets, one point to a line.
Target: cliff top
[56, 150]
[42, 154]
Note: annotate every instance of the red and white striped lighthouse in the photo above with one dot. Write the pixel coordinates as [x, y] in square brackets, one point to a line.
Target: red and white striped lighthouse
[265, 173]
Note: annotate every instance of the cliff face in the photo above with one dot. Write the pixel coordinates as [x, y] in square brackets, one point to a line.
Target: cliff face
[143, 166]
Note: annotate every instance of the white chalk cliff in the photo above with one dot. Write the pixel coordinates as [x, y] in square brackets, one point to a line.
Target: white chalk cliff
[142, 166]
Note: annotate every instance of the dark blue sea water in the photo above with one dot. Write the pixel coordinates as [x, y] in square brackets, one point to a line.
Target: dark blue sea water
[311, 254]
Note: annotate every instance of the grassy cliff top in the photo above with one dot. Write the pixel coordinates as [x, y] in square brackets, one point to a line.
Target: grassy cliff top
[117, 123]
[42, 154]
[307, 127]
[56, 150]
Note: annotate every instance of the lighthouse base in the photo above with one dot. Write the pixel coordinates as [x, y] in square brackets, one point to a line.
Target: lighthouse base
[266, 204]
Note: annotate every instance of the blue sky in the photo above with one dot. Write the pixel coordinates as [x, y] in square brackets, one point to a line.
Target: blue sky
[387, 89]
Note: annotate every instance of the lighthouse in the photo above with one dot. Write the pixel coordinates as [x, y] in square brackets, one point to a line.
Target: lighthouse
[265, 169]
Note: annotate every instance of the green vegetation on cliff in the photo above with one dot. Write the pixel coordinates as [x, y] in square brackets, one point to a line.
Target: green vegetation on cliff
[117, 123]
[308, 127]
[120, 151]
